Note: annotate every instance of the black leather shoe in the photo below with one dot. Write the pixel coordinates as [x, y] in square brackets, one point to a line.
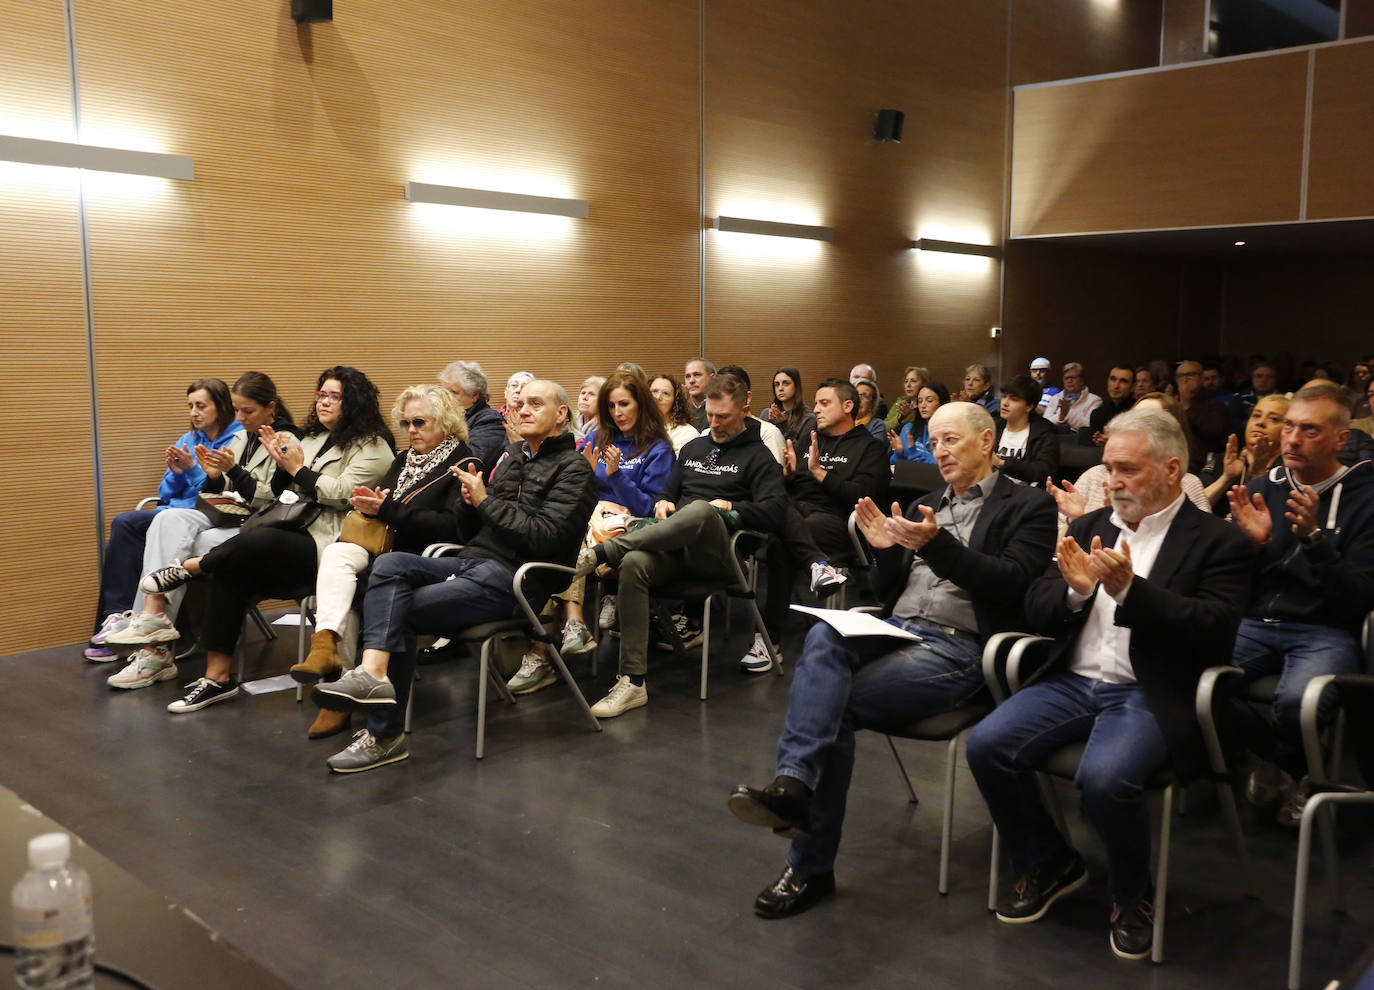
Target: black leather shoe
[1133, 930]
[1036, 891]
[786, 814]
[791, 893]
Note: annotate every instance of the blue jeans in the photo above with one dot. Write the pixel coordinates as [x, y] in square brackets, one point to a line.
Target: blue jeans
[869, 682]
[1124, 747]
[407, 594]
[1297, 652]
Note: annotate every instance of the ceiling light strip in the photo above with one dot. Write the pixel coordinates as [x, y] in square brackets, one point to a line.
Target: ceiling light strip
[487, 199]
[68, 154]
[740, 225]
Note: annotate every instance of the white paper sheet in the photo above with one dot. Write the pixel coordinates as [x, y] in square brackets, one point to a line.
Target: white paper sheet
[287, 619]
[856, 623]
[267, 685]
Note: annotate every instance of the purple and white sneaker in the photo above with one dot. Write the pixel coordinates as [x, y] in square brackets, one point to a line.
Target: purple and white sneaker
[114, 622]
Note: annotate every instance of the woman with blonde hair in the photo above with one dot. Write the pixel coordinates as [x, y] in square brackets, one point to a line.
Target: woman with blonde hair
[414, 501]
[1263, 431]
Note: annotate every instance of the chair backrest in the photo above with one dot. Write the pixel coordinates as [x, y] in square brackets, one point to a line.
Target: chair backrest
[913, 479]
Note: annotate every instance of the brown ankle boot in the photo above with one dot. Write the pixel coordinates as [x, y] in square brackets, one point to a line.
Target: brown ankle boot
[328, 723]
[322, 662]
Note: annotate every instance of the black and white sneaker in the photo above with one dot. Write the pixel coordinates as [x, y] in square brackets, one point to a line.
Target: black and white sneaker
[825, 580]
[688, 630]
[165, 579]
[202, 693]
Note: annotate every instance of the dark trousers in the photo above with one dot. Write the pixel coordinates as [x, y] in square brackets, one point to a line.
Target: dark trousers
[1124, 747]
[408, 594]
[805, 539]
[275, 563]
[123, 562]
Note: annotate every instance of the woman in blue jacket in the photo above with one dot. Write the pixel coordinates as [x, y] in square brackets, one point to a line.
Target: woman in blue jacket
[913, 444]
[632, 456]
[212, 426]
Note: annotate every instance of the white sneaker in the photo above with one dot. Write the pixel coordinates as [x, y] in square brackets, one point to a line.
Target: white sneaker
[606, 617]
[621, 699]
[757, 660]
[146, 667]
[535, 674]
[144, 629]
[577, 638]
[825, 580]
[114, 622]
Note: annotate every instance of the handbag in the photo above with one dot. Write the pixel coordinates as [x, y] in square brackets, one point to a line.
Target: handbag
[368, 532]
[223, 511]
[290, 511]
[608, 521]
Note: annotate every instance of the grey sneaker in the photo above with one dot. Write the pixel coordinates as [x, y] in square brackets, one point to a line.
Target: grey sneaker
[144, 629]
[356, 690]
[202, 693]
[146, 667]
[825, 580]
[1294, 801]
[535, 674]
[367, 752]
[621, 699]
[1266, 783]
[577, 638]
[607, 616]
[586, 562]
[165, 579]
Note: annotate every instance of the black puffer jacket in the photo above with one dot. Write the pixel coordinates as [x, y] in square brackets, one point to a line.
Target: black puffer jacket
[426, 515]
[486, 432]
[537, 508]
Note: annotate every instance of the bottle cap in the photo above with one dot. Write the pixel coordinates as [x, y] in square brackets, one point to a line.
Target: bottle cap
[49, 850]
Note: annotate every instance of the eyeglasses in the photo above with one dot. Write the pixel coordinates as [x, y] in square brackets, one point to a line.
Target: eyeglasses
[661, 393]
[418, 423]
[329, 396]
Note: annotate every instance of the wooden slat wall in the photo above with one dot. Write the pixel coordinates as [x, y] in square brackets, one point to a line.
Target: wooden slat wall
[48, 534]
[1061, 39]
[1342, 142]
[1209, 145]
[790, 104]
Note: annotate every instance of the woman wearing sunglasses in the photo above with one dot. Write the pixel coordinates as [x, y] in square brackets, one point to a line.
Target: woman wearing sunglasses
[346, 446]
[415, 500]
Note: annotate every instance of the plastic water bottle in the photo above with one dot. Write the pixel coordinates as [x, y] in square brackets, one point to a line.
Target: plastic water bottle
[53, 935]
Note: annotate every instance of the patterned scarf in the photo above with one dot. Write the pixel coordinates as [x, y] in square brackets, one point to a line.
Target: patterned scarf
[419, 465]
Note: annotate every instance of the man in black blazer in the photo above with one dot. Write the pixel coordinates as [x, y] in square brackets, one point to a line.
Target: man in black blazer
[1144, 595]
[953, 570]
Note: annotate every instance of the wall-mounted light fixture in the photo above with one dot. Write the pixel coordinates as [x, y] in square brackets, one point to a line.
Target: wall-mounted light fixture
[957, 247]
[487, 199]
[69, 154]
[771, 228]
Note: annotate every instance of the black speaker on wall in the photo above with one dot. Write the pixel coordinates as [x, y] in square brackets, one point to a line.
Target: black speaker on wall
[312, 11]
[887, 126]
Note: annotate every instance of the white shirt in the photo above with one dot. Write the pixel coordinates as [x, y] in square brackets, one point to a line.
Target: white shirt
[1104, 648]
[1013, 442]
[770, 435]
[1077, 415]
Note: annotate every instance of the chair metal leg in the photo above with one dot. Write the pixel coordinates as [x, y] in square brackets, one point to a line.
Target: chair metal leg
[901, 768]
[1316, 805]
[557, 659]
[263, 625]
[993, 869]
[947, 826]
[1230, 817]
[706, 639]
[484, 665]
[1166, 822]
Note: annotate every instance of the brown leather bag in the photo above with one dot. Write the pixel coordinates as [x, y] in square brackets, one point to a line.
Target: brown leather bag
[369, 532]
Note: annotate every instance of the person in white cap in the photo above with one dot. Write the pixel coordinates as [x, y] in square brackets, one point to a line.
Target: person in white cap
[1040, 371]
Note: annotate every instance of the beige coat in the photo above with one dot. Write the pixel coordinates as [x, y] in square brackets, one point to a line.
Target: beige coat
[340, 471]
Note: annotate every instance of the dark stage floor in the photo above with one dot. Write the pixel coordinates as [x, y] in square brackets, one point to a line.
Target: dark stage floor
[571, 859]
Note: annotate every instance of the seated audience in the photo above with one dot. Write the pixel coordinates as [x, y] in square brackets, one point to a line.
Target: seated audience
[1366, 424]
[676, 406]
[1040, 371]
[1312, 520]
[245, 469]
[1264, 380]
[978, 388]
[510, 409]
[1208, 421]
[865, 372]
[868, 401]
[1072, 408]
[1263, 436]
[770, 435]
[1089, 493]
[904, 410]
[788, 410]
[486, 430]
[536, 508]
[414, 500]
[696, 375]
[723, 480]
[1027, 446]
[585, 419]
[346, 445]
[835, 466]
[1143, 596]
[1144, 383]
[951, 571]
[631, 459]
[1214, 386]
[913, 443]
[1361, 378]
[212, 426]
[1120, 385]
[1163, 373]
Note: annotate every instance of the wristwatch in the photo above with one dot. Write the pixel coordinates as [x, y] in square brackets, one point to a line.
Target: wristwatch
[1313, 538]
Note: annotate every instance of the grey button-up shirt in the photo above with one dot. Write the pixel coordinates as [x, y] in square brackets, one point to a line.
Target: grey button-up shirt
[932, 599]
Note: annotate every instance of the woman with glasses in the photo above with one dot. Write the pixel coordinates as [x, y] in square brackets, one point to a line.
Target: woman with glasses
[346, 446]
[416, 500]
[676, 407]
